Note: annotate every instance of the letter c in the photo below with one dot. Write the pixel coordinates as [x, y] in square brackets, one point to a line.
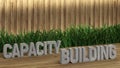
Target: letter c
[5, 52]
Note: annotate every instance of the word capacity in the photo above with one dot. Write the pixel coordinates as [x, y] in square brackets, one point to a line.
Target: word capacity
[37, 49]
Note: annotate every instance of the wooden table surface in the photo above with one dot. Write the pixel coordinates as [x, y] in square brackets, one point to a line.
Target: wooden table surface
[53, 61]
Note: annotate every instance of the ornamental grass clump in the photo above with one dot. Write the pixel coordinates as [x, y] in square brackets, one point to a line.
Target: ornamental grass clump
[70, 37]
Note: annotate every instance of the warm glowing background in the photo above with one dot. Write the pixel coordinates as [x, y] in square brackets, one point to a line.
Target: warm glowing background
[31, 15]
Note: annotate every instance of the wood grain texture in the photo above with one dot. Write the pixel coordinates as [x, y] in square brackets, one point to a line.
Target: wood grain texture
[2, 20]
[31, 15]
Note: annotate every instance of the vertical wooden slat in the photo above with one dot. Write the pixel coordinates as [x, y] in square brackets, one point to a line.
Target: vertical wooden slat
[93, 13]
[18, 17]
[35, 16]
[42, 15]
[106, 16]
[101, 12]
[58, 14]
[110, 12]
[112, 15]
[67, 13]
[115, 11]
[21, 16]
[80, 12]
[7, 16]
[72, 13]
[52, 14]
[12, 15]
[83, 12]
[88, 11]
[25, 16]
[65, 9]
[30, 15]
[118, 12]
[62, 14]
[3, 15]
[55, 14]
[97, 11]
[47, 16]
[38, 14]
[26, 28]
[77, 8]
[46, 13]
[15, 16]
[1, 2]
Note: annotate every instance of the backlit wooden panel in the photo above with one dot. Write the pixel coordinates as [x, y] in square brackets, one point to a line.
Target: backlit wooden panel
[31, 15]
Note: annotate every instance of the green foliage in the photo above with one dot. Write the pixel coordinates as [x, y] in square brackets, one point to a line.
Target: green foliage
[73, 36]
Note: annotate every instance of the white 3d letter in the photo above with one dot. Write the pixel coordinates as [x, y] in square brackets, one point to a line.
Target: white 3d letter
[73, 55]
[113, 52]
[39, 52]
[64, 58]
[16, 51]
[32, 50]
[23, 48]
[5, 54]
[92, 53]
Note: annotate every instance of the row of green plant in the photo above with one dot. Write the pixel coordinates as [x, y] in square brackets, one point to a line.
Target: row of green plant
[73, 36]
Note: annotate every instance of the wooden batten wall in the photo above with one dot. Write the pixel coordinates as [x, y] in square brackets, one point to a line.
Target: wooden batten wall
[31, 15]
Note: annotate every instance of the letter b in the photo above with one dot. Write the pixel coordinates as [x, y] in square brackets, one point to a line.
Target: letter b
[64, 58]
